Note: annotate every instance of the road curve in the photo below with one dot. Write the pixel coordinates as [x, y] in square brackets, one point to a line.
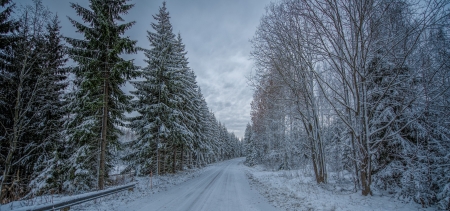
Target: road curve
[222, 186]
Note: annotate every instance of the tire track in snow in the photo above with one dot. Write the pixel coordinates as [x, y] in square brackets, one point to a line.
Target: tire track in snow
[222, 186]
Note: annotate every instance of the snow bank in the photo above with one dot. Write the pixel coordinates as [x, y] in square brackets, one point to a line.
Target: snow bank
[297, 190]
[143, 189]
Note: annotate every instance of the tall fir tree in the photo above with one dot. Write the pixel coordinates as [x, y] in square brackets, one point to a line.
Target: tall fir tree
[162, 124]
[7, 37]
[189, 106]
[7, 27]
[98, 103]
[215, 136]
[249, 144]
[203, 130]
[24, 87]
[48, 171]
[36, 81]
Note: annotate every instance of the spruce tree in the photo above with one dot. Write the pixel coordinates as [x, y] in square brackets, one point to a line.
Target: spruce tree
[249, 146]
[98, 103]
[25, 88]
[7, 38]
[33, 84]
[215, 136]
[7, 27]
[203, 131]
[162, 123]
[48, 169]
[190, 103]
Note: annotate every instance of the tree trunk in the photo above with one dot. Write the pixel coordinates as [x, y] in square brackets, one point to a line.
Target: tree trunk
[174, 164]
[182, 155]
[164, 161]
[158, 159]
[17, 129]
[101, 176]
[11, 151]
[365, 177]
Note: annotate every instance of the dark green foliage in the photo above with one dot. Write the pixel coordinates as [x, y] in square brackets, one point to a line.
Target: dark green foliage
[48, 172]
[34, 81]
[97, 103]
[162, 96]
[174, 127]
[57, 138]
[7, 27]
[7, 38]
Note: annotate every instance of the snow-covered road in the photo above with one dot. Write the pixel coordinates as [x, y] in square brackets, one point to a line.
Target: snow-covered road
[223, 186]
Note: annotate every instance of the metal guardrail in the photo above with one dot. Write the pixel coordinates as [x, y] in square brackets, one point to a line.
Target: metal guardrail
[66, 204]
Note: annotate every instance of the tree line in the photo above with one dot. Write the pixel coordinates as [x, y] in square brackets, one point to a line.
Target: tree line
[62, 127]
[358, 86]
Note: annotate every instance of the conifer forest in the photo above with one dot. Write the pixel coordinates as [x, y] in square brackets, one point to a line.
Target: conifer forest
[356, 91]
[65, 135]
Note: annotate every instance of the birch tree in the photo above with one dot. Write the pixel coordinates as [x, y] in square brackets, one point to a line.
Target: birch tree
[282, 47]
[370, 65]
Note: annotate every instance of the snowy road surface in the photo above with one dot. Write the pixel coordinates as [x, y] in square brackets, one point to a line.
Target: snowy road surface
[223, 186]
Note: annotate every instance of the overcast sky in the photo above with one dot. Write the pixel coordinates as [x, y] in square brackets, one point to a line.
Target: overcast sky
[216, 34]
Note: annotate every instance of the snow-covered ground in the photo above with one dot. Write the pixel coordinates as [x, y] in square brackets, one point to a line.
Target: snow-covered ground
[297, 190]
[142, 190]
[221, 186]
[230, 185]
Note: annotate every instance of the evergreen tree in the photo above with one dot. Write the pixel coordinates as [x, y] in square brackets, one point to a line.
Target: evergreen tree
[190, 102]
[34, 85]
[25, 101]
[215, 136]
[7, 28]
[48, 170]
[98, 104]
[249, 148]
[203, 132]
[7, 38]
[162, 123]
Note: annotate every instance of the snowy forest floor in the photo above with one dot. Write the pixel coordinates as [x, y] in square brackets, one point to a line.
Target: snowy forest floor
[286, 190]
[297, 190]
[160, 183]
